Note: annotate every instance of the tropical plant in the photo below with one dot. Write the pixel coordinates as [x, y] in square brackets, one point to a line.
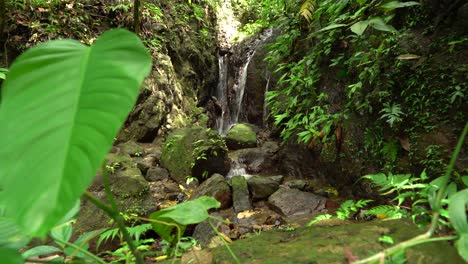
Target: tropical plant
[93, 92]
[441, 195]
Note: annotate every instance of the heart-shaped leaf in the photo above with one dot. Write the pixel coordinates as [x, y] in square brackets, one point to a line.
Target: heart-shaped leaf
[62, 104]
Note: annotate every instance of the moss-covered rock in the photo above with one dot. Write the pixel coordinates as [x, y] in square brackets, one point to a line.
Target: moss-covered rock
[217, 187]
[241, 136]
[196, 152]
[129, 188]
[333, 244]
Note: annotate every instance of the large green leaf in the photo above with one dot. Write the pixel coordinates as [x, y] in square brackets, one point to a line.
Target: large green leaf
[462, 246]
[191, 212]
[457, 211]
[62, 104]
[10, 256]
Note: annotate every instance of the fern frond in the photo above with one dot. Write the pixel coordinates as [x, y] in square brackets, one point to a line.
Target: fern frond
[307, 9]
[385, 212]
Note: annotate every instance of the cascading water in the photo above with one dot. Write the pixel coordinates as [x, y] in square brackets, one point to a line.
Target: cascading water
[234, 106]
[221, 92]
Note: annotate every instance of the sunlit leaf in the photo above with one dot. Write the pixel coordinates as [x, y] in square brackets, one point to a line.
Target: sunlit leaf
[332, 26]
[359, 27]
[62, 104]
[398, 4]
[408, 57]
[191, 212]
[40, 251]
[379, 24]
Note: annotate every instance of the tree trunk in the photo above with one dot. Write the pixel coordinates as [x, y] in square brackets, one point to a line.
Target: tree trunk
[136, 15]
[2, 17]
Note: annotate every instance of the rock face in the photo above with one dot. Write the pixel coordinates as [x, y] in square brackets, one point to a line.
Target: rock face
[240, 194]
[156, 174]
[262, 187]
[258, 161]
[196, 152]
[241, 136]
[216, 187]
[294, 202]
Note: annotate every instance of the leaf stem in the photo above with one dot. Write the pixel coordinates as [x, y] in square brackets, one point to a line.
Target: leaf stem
[443, 187]
[80, 249]
[114, 213]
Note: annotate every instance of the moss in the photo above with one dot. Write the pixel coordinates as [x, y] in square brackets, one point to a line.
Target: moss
[192, 151]
[241, 136]
[328, 244]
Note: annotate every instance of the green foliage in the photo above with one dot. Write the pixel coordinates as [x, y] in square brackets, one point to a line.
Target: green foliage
[346, 210]
[392, 114]
[3, 73]
[61, 235]
[123, 253]
[91, 88]
[170, 223]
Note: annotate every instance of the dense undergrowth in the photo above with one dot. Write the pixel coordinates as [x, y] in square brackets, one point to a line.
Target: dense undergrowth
[398, 67]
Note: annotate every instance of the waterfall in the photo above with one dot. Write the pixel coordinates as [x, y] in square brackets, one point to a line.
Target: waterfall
[221, 93]
[225, 121]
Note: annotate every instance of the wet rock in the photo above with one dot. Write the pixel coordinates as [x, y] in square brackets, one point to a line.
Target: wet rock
[146, 162]
[156, 174]
[194, 151]
[131, 148]
[297, 161]
[270, 147]
[240, 194]
[295, 202]
[263, 187]
[241, 136]
[297, 184]
[217, 187]
[206, 236]
[256, 160]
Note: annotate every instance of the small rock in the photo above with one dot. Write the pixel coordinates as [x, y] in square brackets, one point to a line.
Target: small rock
[217, 187]
[156, 174]
[240, 194]
[145, 163]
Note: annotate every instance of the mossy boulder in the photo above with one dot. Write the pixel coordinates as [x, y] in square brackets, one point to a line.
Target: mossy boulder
[332, 244]
[196, 152]
[241, 136]
[129, 188]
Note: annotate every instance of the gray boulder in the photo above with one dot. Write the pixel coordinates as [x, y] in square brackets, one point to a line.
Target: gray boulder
[294, 202]
[263, 187]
